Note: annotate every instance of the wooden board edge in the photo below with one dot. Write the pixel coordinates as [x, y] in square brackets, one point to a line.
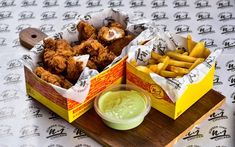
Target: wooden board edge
[206, 115]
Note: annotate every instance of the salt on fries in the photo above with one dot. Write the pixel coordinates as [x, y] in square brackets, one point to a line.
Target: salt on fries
[176, 63]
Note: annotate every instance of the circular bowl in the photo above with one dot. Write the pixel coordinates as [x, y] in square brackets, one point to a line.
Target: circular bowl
[123, 121]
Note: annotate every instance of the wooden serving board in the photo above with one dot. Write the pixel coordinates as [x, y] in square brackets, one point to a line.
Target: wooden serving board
[156, 130]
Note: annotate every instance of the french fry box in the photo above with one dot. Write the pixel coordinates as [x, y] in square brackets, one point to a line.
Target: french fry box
[73, 102]
[171, 96]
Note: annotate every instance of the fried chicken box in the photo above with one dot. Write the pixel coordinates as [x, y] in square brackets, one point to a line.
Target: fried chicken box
[171, 96]
[73, 102]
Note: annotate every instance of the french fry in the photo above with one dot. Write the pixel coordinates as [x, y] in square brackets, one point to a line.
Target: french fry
[144, 69]
[168, 74]
[156, 56]
[206, 53]
[154, 68]
[179, 63]
[185, 53]
[198, 50]
[180, 57]
[152, 61]
[180, 51]
[189, 43]
[198, 61]
[178, 70]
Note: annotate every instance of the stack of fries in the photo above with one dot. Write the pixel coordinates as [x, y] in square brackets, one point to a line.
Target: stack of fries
[174, 64]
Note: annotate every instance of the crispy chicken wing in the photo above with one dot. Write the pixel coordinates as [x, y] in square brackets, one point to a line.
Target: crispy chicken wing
[52, 78]
[86, 31]
[107, 34]
[117, 46]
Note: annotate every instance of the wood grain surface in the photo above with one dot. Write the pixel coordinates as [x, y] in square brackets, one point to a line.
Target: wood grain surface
[156, 130]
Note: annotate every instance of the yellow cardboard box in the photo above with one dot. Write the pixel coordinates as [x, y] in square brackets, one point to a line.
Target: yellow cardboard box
[160, 100]
[67, 108]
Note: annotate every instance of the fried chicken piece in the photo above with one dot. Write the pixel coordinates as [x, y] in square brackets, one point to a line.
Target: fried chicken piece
[91, 65]
[117, 46]
[74, 69]
[107, 34]
[56, 53]
[86, 31]
[52, 78]
[100, 55]
[116, 24]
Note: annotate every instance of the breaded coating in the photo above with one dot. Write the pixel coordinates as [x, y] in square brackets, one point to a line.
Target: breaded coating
[106, 34]
[116, 24]
[52, 78]
[74, 69]
[91, 65]
[86, 31]
[117, 45]
[56, 53]
[100, 55]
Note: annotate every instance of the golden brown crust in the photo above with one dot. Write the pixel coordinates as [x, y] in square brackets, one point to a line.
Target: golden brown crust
[52, 78]
[74, 69]
[86, 31]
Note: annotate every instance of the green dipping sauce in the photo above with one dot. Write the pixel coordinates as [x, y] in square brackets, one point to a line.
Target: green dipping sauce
[122, 105]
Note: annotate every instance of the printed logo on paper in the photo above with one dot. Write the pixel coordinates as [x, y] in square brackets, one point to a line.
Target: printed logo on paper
[205, 29]
[21, 27]
[137, 3]
[231, 80]
[27, 145]
[32, 112]
[93, 3]
[177, 84]
[218, 115]
[79, 134]
[217, 80]
[55, 145]
[180, 29]
[12, 78]
[201, 16]
[138, 15]
[24, 15]
[193, 76]
[47, 28]
[56, 131]
[224, 4]
[16, 42]
[159, 15]
[69, 15]
[217, 66]
[9, 95]
[4, 28]
[179, 16]
[162, 27]
[5, 15]
[72, 3]
[29, 98]
[180, 3]
[83, 145]
[7, 3]
[50, 3]
[5, 131]
[202, 4]
[29, 131]
[227, 29]
[115, 3]
[7, 112]
[194, 134]
[233, 97]
[230, 65]
[218, 133]
[14, 64]
[48, 15]
[225, 16]
[229, 43]
[158, 3]
[160, 45]
[53, 116]
[28, 3]
[3, 41]
[209, 42]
